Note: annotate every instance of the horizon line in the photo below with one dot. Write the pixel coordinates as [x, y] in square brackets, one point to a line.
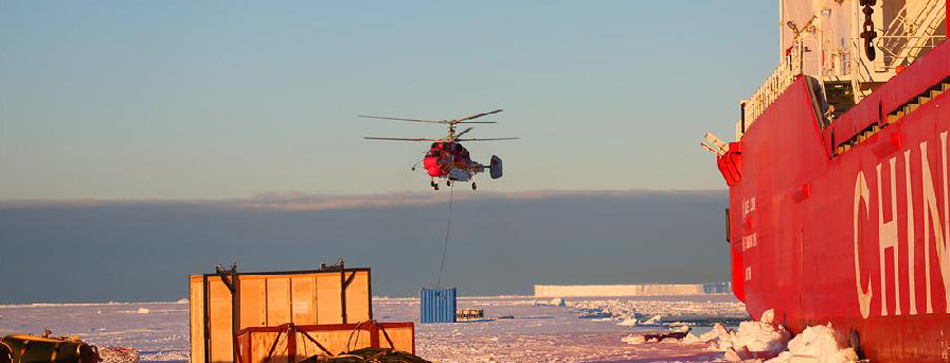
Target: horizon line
[302, 201]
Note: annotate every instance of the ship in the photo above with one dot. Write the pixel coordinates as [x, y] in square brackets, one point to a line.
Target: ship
[839, 207]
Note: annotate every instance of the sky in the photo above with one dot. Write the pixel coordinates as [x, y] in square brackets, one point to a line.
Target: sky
[141, 141]
[220, 99]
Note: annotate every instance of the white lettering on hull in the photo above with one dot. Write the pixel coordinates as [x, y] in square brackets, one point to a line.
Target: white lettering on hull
[932, 216]
[888, 232]
[887, 236]
[748, 206]
[749, 241]
[910, 234]
[861, 193]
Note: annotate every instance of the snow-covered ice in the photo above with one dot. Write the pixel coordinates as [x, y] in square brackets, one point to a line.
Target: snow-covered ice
[761, 337]
[764, 340]
[632, 290]
[521, 332]
[553, 302]
[819, 343]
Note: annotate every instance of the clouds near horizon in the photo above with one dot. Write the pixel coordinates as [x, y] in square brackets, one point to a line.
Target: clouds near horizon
[501, 243]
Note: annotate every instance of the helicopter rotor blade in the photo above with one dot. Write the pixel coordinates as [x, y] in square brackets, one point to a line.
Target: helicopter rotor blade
[472, 117]
[464, 131]
[477, 122]
[400, 138]
[402, 119]
[491, 139]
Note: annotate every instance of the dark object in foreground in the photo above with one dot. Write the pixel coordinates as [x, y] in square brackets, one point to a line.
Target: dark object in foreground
[665, 335]
[31, 348]
[376, 355]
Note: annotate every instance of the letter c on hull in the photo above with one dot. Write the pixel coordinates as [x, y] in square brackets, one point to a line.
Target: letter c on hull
[861, 193]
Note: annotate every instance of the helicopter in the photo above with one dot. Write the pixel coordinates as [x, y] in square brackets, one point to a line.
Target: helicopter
[447, 160]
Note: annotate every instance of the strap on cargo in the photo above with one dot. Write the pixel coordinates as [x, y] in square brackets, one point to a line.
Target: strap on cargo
[385, 334]
[355, 329]
[270, 354]
[324, 349]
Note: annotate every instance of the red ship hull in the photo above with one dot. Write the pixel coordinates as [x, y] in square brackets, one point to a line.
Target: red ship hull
[859, 238]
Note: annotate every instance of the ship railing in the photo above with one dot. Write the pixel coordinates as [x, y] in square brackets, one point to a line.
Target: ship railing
[773, 87]
[909, 45]
[912, 31]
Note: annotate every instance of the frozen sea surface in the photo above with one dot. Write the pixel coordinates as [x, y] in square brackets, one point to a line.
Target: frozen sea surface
[545, 333]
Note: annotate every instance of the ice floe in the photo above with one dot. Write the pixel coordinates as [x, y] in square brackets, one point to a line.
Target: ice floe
[766, 341]
[553, 302]
[821, 344]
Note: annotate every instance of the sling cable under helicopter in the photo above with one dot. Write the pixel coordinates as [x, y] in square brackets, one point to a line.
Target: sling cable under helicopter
[447, 159]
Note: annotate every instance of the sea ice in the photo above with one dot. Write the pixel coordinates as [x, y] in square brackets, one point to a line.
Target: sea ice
[529, 333]
[758, 340]
[754, 339]
[690, 338]
[820, 344]
[633, 339]
[553, 302]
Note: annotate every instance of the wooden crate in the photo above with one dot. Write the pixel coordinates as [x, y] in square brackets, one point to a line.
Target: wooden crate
[268, 299]
[291, 343]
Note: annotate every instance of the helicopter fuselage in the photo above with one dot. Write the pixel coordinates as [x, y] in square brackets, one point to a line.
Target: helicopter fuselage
[450, 161]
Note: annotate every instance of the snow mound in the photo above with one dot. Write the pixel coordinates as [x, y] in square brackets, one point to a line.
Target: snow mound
[634, 339]
[553, 302]
[761, 337]
[819, 344]
[754, 339]
[633, 318]
[629, 321]
[757, 340]
[654, 320]
[690, 338]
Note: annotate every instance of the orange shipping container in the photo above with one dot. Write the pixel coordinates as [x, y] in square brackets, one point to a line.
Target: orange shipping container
[267, 299]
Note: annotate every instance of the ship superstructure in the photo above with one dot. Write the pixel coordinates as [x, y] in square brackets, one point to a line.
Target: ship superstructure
[838, 176]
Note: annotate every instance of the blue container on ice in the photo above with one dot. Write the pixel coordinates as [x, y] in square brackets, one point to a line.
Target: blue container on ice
[437, 306]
